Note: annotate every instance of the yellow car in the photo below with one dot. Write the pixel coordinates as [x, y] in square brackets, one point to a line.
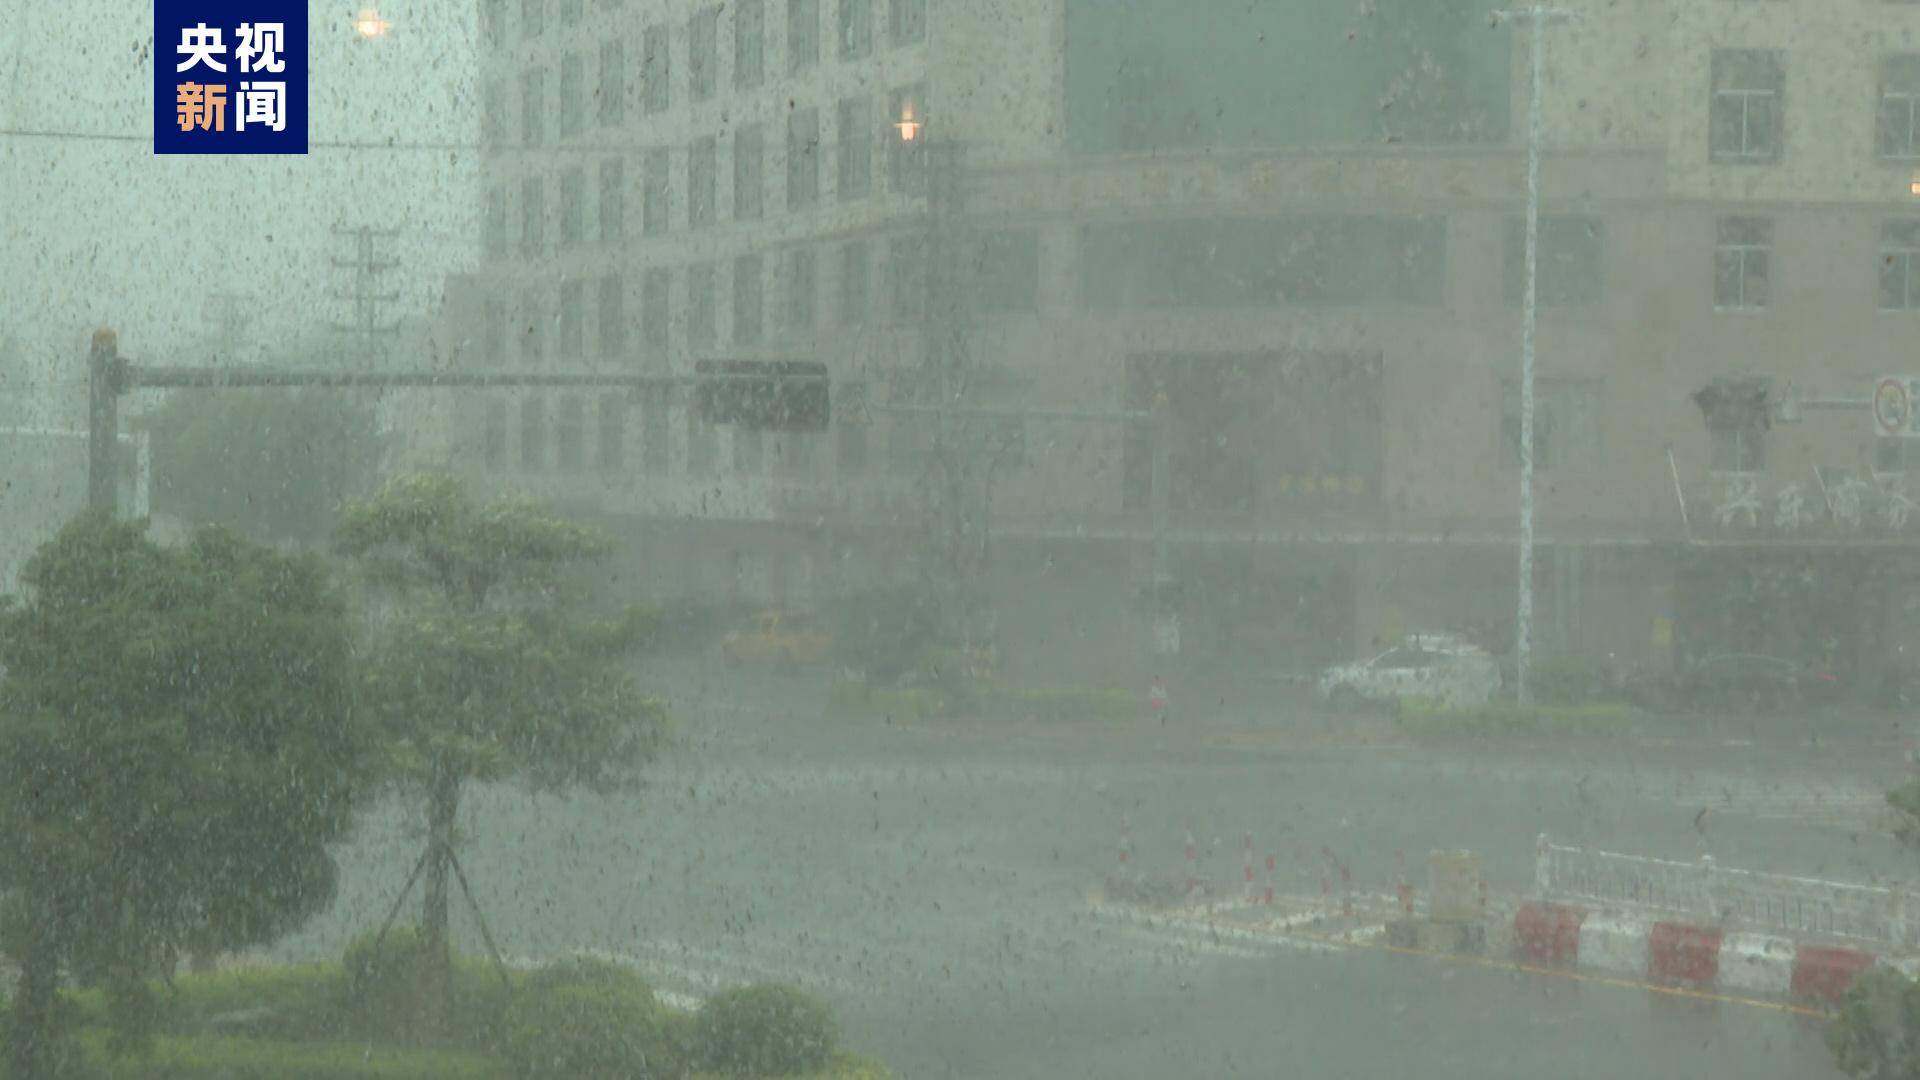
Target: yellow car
[786, 638]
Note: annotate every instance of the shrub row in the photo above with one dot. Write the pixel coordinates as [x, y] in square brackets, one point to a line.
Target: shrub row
[1496, 718]
[848, 698]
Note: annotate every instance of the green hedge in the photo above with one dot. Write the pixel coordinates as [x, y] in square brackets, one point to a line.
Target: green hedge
[764, 1030]
[847, 698]
[1421, 717]
[594, 1020]
[228, 1058]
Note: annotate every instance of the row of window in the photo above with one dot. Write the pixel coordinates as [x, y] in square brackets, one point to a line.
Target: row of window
[747, 154]
[1000, 271]
[907, 21]
[1746, 109]
[554, 435]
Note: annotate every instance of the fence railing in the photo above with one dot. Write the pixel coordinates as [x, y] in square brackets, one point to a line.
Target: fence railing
[1742, 899]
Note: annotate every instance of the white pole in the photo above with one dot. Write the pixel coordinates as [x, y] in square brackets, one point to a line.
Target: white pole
[1536, 18]
[1523, 644]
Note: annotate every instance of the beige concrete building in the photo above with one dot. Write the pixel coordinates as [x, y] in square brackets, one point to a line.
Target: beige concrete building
[1223, 204]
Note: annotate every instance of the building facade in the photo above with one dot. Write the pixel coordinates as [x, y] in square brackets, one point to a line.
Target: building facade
[1104, 204]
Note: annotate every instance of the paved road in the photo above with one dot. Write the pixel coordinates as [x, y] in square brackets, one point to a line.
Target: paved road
[931, 886]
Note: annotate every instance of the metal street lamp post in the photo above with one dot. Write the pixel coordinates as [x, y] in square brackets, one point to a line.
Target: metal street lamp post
[1536, 19]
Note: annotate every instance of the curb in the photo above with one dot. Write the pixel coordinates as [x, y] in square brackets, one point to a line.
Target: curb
[1676, 953]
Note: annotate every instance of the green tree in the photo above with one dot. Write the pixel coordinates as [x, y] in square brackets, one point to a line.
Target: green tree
[177, 748]
[271, 464]
[1877, 1034]
[485, 676]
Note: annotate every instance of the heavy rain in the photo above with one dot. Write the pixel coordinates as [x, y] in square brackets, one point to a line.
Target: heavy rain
[959, 539]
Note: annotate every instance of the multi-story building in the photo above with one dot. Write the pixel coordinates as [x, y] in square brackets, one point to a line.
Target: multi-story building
[1303, 229]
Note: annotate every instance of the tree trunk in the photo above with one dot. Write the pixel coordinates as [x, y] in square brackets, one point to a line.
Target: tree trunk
[33, 1041]
[443, 803]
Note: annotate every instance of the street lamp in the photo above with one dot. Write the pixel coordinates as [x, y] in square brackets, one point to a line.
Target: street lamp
[369, 24]
[908, 125]
[1536, 18]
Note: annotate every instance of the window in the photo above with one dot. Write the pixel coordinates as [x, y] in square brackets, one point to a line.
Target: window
[856, 284]
[533, 103]
[703, 52]
[573, 302]
[654, 207]
[613, 432]
[493, 112]
[533, 433]
[570, 11]
[749, 43]
[749, 173]
[907, 273]
[800, 289]
[1900, 266]
[613, 82]
[1566, 422]
[749, 450]
[1742, 262]
[497, 214]
[573, 195]
[700, 448]
[907, 161]
[494, 349]
[533, 329]
[854, 150]
[653, 311]
[655, 69]
[1005, 270]
[856, 28]
[1899, 123]
[654, 435]
[702, 164]
[850, 429]
[1744, 120]
[748, 300]
[571, 442]
[613, 317]
[803, 158]
[803, 35]
[793, 453]
[533, 17]
[907, 22]
[702, 307]
[1571, 254]
[493, 15]
[533, 216]
[493, 439]
[613, 200]
[570, 91]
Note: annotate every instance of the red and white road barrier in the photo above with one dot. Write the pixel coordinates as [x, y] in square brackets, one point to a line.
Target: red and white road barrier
[1681, 954]
[1246, 865]
[1267, 896]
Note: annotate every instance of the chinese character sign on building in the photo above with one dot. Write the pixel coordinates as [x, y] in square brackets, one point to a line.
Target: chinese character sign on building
[230, 77]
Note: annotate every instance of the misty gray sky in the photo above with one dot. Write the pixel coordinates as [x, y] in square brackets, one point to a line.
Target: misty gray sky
[104, 232]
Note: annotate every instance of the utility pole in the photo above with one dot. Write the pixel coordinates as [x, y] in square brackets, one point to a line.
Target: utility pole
[945, 353]
[1536, 19]
[364, 294]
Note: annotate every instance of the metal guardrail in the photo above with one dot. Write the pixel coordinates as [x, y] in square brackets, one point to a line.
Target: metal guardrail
[1743, 899]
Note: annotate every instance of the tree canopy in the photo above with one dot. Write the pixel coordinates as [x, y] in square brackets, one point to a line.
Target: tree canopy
[178, 745]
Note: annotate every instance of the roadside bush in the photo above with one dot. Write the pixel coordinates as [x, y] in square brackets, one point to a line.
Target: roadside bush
[226, 1058]
[884, 632]
[764, 1030]
[1065, 703]
[588, 1019]
[385, 986]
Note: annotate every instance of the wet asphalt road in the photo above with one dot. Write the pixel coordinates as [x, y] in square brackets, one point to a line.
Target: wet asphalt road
[931, 886]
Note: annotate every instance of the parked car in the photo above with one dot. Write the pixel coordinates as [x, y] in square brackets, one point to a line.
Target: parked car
[787, 638]
[1444, 667]
[1767, 683]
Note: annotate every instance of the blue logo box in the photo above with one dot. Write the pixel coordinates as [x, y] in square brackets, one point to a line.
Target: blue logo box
[229, 77]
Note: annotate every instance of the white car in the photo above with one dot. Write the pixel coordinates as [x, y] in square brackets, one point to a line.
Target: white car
[1442, 667]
